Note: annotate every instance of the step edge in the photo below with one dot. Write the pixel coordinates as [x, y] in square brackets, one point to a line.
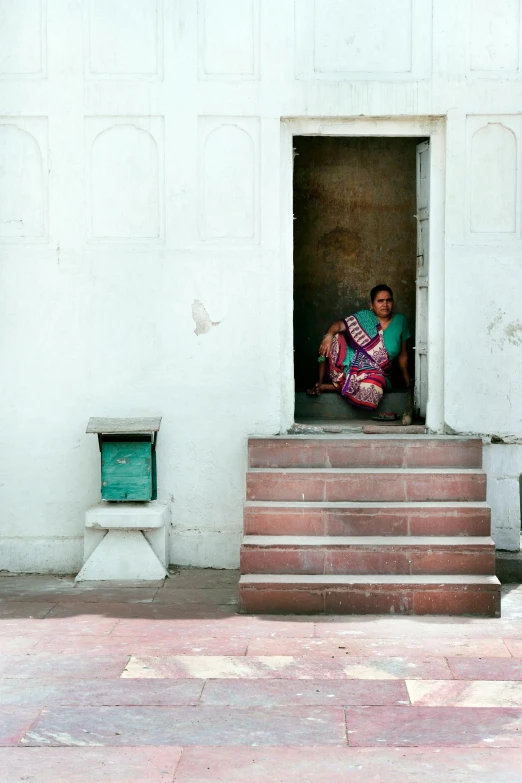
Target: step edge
[332, 580]
[363, 471]
[366, 504]
[318, 542]
[336, 436]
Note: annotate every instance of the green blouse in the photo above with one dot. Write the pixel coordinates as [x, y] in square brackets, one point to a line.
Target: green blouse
[395, 334]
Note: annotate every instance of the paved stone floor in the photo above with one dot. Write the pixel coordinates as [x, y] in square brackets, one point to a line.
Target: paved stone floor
[166, 682]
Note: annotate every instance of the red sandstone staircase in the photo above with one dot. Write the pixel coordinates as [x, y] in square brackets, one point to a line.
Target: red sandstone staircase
[367, 525]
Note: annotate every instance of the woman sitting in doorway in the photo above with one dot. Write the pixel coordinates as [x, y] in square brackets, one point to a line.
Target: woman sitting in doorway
[358, 351]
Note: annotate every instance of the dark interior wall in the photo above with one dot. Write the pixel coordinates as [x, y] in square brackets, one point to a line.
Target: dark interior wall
[354, 227]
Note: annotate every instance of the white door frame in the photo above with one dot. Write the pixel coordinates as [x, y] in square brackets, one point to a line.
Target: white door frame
[435, 129]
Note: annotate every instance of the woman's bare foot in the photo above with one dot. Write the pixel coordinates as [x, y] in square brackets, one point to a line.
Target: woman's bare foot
[385, 416]
[314, 391]
[319, 388]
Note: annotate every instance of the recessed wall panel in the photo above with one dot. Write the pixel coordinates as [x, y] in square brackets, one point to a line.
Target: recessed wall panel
[228, 32]
[228, 179]
[353, 40]
[22, 180]
[123, 37]
[373, 36]
[22, 37]
[493, 179]
[495, 35]
[125, 165]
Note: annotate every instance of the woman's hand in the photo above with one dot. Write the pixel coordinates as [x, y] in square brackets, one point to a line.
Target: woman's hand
[326, 345]
[325, 348]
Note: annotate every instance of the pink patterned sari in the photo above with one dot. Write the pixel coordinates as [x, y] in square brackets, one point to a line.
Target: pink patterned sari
[358, 362]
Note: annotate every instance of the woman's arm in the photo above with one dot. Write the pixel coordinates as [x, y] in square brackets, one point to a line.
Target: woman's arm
[403, 363]
[326, 344]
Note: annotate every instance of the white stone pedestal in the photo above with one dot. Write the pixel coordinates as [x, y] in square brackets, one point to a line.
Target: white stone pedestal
[125, 541]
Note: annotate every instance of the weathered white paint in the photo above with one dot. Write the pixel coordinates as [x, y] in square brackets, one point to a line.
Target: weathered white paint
[105, 250]
[126, 541]
[503, 464]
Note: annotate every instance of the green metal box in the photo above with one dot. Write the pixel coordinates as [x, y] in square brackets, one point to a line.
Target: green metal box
[128, 458]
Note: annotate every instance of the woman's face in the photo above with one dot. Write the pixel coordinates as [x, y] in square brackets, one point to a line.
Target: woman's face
[382, 305]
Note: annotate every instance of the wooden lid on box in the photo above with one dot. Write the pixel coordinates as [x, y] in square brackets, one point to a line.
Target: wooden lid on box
[134, 426]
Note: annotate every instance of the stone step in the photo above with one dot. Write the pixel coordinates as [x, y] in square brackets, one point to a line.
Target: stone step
[367, 555]
[366, 519]
[437, 594]
[366, 484]
[333, 406]
[365, 452]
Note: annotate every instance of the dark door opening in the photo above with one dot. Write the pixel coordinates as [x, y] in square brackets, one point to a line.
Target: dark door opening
[355, 225]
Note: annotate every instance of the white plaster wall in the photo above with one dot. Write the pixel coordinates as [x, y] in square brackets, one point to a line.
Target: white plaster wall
[141, 267]
[504, 468]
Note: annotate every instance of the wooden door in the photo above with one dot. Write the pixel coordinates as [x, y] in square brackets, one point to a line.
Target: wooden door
[421, 318]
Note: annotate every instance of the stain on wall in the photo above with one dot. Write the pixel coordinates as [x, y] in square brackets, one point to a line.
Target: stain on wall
[499, 332]
[513, 332]
[354, 227]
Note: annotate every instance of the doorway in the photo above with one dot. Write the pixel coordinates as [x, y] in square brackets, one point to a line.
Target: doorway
[361, 217]
[419, 127]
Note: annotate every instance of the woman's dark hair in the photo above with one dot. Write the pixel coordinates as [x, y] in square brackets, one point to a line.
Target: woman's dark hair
[377, 290]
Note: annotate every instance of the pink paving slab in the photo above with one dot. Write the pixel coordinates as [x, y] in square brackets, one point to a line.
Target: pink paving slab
[348, 765]
[79, 624]
[77, 594]
[493, 648]
[89, 765]
[382, 626]
[184, 596]
[123, 726]
[234, 625]
[154, 644]
[24, 609]
[286, 668]
[486, 668]
[17, 644]
[514, 646]
[462, 693]
[49, 692]
[286, 693]
[14, 722]
[434, 726]
[146, 611]
[202, 578]
[62, 667]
